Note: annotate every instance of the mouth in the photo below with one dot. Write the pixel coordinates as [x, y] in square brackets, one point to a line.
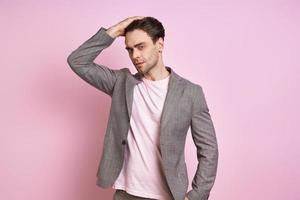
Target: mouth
[139, 64]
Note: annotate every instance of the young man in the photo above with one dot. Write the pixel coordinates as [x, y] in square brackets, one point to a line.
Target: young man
[151, 112]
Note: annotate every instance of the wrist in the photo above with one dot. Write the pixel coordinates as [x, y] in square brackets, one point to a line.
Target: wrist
[112, 32]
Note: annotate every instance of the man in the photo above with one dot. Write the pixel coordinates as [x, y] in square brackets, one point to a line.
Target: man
[151, 112]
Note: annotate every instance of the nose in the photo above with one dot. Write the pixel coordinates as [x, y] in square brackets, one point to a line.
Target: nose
[135, 55]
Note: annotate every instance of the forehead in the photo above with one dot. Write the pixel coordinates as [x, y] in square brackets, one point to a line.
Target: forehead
[136, 36]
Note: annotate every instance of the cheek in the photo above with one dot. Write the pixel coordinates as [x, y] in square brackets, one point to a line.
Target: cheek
[151, 55]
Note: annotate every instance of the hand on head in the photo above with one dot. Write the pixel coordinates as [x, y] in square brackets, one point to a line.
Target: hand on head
[119, 28]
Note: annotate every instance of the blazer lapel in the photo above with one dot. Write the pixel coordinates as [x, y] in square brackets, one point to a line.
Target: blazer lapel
[175, 89]
[130, 83]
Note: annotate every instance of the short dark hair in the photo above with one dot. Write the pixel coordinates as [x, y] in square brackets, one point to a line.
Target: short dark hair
[150, 25]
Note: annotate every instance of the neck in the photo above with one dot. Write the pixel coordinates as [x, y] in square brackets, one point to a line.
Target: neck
[157, 73]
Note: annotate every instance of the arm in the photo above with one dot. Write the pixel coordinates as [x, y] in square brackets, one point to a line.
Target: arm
[204, 137]
[82, 59]
[82, 63]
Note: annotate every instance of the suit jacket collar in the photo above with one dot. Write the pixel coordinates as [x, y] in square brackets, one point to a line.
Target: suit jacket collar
[138, 76]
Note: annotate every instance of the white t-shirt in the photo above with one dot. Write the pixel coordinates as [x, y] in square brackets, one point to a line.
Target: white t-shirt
[142, 173]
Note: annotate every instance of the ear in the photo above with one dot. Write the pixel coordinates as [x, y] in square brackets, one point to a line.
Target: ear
[160, 44]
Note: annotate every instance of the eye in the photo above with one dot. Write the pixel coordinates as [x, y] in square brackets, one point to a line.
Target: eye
[141, 47]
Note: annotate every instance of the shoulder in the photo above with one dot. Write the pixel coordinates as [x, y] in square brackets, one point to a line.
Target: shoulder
[122, 72]
[191, 86]
[195, 91]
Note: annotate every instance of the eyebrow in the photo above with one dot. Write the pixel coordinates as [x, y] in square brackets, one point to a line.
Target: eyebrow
[135, 45]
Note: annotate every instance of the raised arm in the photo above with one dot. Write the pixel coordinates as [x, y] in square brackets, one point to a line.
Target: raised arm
[82, 59]
[204, 137]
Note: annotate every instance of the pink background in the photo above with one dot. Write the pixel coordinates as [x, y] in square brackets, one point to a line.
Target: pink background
[245, 54]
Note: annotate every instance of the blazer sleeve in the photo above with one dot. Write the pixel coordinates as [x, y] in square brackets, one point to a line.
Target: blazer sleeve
[204, 137]
[81, 61]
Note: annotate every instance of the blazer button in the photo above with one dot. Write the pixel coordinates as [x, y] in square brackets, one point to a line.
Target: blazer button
[124, 142]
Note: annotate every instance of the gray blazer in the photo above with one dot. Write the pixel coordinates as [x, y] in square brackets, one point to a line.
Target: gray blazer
[185, 106]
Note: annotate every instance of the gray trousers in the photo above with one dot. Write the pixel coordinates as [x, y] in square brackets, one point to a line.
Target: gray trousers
[123, 195]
